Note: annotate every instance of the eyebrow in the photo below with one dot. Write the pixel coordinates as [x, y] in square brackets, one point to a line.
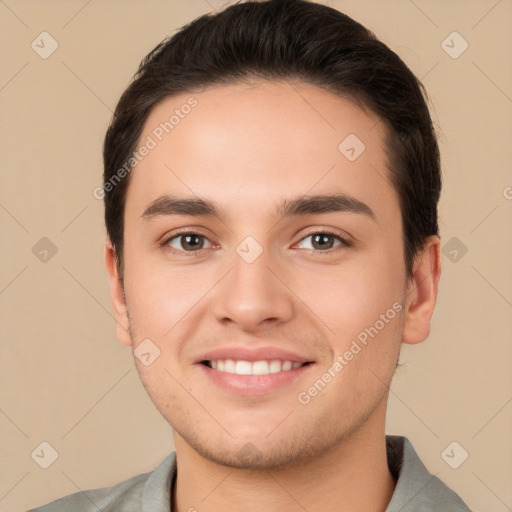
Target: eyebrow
[301, 205]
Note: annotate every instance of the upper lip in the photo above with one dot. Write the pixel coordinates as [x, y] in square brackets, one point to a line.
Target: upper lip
[252, 354]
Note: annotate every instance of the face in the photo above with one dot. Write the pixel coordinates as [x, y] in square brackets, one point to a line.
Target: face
[265, 283]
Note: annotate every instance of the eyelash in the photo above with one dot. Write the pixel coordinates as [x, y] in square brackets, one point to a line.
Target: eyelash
[344, 243]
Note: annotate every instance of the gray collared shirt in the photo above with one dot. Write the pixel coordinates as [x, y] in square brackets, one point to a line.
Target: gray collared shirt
[416, 490]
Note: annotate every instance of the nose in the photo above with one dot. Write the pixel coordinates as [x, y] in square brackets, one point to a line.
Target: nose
[253, 295]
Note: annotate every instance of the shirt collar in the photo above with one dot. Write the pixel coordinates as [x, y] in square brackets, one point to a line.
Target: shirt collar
[404, 464]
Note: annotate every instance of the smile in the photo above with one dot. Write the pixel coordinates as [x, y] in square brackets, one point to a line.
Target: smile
[262, 367]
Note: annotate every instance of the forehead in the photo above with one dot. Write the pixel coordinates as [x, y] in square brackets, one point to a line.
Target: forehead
[248, 147]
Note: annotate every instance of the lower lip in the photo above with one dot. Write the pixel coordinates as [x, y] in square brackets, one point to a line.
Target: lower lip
[255, 384]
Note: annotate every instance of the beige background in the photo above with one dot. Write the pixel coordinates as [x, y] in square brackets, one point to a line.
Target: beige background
[67, 381]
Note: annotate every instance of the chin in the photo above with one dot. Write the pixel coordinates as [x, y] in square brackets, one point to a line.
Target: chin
[259, 451]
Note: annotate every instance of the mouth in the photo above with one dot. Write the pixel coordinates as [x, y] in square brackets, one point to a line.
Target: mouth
[245, 370]
[257, 377]
[261, 367]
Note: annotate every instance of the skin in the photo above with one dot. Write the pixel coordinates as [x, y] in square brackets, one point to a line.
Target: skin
[249, 147]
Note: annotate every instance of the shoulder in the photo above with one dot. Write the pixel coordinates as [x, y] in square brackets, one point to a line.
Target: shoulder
[128, 495]
[417, 490]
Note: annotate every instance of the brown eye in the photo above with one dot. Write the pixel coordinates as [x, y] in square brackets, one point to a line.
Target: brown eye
[188, 242]
[323, 241]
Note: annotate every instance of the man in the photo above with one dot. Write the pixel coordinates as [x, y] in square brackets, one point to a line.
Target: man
[271, 187]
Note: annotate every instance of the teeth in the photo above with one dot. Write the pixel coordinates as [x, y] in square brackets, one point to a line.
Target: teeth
[243, 368]
[275, 366]
[260, 368]
[253, 368]
[287, 365]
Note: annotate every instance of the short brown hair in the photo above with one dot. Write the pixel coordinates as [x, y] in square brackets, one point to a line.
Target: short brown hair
[288, 39]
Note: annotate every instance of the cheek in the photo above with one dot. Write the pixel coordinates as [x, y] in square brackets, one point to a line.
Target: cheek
[351, 296]
[170, 306]
[156, 299]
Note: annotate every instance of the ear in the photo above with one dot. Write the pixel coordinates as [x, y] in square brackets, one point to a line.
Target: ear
[422, 292]
[117, 295]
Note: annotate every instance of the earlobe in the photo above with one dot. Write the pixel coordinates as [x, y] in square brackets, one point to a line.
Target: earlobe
[117, 297]
[422, 292]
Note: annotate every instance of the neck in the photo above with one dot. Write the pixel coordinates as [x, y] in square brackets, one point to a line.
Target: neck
[352, 475]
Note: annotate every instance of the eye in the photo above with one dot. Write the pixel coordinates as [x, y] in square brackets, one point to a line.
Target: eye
[188, 242]
[191, 242]
[323, 241]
